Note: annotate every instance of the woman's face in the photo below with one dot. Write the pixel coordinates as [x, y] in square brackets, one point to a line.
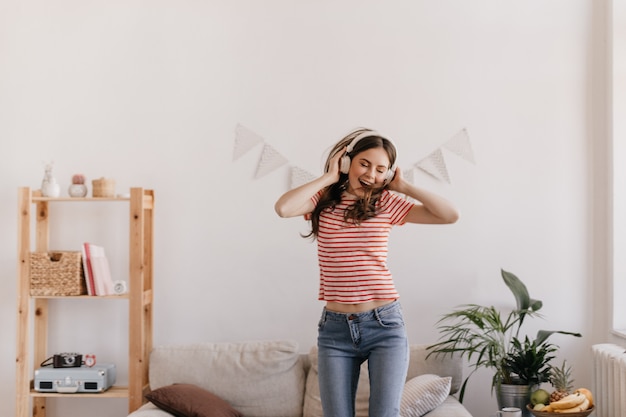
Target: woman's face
[368, 169]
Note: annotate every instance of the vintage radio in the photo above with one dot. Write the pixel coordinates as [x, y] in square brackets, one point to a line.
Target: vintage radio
[97, 378]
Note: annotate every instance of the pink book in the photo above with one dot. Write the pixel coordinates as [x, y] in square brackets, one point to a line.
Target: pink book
[101, 271]
[91, 288]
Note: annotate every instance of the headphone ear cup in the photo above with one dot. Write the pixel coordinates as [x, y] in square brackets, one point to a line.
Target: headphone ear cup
[344, 165]
[391, 172]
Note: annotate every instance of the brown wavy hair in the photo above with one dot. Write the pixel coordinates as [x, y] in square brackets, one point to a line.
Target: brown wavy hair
[365, 207]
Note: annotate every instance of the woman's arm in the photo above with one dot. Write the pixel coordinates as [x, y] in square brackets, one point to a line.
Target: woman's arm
[297, 202]
[433, 209]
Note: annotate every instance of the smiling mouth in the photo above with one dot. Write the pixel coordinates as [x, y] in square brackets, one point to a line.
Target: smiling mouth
[366, 185]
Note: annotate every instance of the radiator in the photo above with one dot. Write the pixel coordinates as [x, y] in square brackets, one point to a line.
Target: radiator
[609, 380]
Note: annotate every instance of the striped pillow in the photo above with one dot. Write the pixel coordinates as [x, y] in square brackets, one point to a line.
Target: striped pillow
[423, 394]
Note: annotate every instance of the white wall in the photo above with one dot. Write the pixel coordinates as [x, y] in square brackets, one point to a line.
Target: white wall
[618, 101]
[150, 93]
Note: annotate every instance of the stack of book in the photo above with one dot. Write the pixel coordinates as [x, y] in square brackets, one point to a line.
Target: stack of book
[97, 271]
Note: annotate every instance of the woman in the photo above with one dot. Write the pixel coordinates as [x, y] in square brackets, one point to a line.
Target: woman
[352, 210]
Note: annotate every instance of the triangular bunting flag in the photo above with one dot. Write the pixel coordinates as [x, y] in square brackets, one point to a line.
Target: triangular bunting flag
[409, 175]
[245, 139]
[300, 176]
[435, 165]
[460, 145]
[270, 160]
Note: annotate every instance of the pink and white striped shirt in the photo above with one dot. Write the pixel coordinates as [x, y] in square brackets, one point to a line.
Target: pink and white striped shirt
[353, 258]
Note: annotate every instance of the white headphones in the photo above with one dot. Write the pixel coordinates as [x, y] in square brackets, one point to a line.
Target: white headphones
[344, 164]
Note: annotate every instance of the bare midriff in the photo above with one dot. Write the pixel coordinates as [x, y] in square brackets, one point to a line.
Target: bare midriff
[356, 308]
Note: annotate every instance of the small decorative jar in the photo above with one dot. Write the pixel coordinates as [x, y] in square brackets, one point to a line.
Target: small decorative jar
[78, 187]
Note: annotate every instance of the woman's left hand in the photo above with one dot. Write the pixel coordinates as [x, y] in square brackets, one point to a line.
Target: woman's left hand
[430, 209]
[397, 181]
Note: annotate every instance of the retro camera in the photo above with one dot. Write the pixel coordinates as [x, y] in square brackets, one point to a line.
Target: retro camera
[67, 360]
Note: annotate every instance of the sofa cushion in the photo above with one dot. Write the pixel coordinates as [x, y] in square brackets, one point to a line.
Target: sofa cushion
[188, 400]
[442, 365]
[149, 410]
[259, 379]
[423, 394]
[451, 407]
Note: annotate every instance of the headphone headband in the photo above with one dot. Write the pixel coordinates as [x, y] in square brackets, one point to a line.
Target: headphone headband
[363, 135]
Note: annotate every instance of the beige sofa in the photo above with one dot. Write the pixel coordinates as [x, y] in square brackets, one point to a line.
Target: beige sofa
[276, 379]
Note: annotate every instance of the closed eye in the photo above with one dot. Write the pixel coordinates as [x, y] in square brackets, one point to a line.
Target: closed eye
[381, 169]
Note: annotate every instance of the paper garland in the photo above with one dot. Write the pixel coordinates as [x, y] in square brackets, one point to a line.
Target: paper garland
[434, 164]
[299, 176]
[461, 146]
[245, 139]
[409, 175]
[270, 161]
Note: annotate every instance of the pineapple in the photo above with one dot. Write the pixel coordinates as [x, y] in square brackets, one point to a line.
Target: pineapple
[561, 380]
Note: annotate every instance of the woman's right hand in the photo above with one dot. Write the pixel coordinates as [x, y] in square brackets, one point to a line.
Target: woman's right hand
[334, 164]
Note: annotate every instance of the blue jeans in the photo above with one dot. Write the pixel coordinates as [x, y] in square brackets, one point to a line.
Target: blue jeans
[344, 342]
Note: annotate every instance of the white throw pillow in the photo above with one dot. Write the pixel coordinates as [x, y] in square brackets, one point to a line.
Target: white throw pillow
[423, 394]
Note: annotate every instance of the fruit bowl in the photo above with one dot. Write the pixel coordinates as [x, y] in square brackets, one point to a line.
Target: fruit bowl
[537, 413]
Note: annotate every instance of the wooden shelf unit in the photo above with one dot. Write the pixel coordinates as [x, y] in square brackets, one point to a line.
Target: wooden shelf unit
[33, 310]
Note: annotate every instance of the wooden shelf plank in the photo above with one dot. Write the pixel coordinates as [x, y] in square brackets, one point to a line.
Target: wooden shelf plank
[83, 297]
[78, 199]
[113, 392]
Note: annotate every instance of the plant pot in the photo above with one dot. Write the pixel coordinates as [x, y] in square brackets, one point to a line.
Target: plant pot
[77, 190]
[514, 396]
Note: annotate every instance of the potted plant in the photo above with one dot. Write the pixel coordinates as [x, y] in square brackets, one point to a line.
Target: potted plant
[528, 362]
[526, 365]
[488, 338]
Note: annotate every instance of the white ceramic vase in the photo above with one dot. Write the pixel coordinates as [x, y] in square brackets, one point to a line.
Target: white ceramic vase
[50, 187]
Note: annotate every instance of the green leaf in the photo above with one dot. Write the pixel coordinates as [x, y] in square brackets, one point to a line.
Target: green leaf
[518, 289]
[542, 335]
[535, 305]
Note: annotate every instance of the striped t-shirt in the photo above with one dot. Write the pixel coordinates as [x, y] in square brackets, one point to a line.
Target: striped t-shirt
[353, 258]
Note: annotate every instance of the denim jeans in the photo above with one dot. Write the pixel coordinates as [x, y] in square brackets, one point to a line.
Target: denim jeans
[344, 342]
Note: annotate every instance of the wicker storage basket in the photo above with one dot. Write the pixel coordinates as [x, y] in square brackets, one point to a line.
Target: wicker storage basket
[57, 273]
[103, 187]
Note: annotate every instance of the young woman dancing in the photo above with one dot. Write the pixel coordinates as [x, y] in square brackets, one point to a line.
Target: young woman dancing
[352, 209]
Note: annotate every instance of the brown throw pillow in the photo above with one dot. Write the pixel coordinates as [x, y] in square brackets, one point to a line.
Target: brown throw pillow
[188, 400]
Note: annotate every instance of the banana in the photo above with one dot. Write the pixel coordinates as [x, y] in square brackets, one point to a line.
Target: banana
[570, 401]
[587, 394]
[577, 409]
